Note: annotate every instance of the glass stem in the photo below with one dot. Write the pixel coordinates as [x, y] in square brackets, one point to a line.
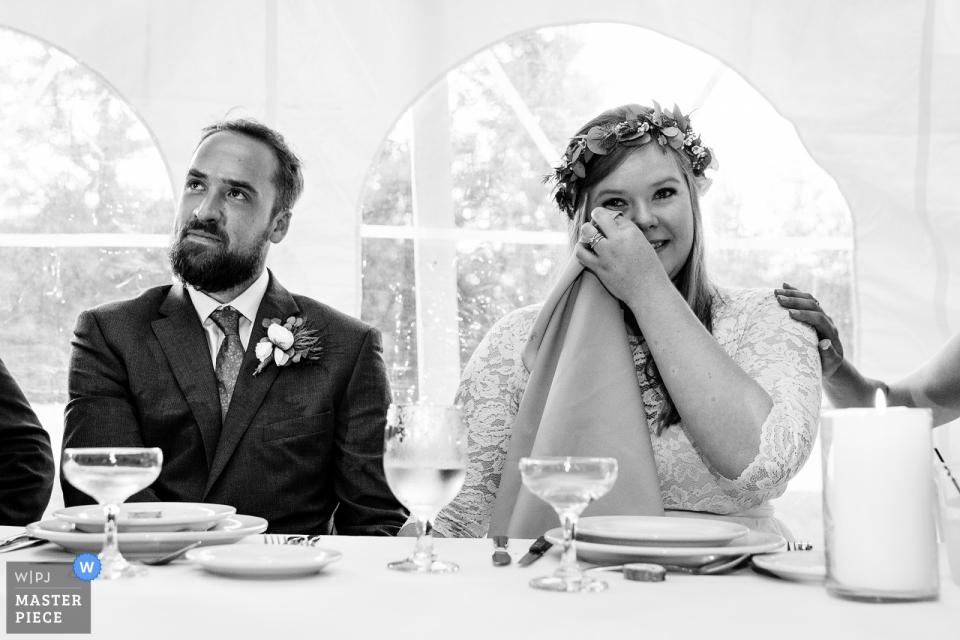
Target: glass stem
[111, 548]
[423, 553]
[568, 561]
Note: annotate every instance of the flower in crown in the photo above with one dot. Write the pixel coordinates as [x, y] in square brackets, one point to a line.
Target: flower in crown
[641, 125]
[287, 342]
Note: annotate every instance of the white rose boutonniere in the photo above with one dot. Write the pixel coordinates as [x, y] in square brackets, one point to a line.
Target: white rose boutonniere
[287, 342]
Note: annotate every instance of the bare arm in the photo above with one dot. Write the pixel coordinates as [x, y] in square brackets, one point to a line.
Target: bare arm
[723, 408]
[935, 385]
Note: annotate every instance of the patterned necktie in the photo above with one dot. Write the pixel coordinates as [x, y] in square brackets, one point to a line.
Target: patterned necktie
[230, 355]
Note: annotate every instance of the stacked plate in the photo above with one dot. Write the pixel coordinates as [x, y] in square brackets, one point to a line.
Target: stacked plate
[687, 542]
[148, 529]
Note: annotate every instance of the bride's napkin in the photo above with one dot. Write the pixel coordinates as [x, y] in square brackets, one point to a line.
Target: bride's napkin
[582, 399]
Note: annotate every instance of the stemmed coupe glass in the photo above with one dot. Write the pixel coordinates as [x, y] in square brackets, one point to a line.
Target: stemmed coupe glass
[568, 485]
[110, 475]
[425, 460]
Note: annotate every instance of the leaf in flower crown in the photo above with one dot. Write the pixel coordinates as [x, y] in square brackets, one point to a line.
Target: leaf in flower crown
[676, 141]
[682, 121]
[579, 169]
[713, 163]
[587, 155]
[670, 131]
[661, 140]
[657, 116]
[595, 140]
[576, 153]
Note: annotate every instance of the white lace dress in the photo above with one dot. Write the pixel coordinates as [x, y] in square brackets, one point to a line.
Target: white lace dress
[775, 350]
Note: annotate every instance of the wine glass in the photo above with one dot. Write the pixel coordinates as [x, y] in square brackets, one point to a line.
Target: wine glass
[110, 475]
[568, 485]
[425, 460]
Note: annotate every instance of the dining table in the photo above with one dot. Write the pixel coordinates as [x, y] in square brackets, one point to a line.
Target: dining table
[358, 597]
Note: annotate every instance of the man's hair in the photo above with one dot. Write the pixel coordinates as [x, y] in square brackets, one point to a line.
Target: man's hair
[288, 178]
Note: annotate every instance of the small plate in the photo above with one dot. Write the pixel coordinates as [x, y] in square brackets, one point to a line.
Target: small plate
[807, 566]
[753, 542]
[264, 561]
[148, 544]
[148, 516]
[650, 531]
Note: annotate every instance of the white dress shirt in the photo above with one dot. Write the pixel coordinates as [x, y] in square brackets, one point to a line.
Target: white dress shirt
[247, 303]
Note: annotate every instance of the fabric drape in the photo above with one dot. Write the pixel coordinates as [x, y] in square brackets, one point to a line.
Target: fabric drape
[582, 399]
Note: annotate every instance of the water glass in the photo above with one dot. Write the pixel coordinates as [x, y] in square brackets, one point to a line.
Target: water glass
[110, 475]
[425, 461]
[568, 485]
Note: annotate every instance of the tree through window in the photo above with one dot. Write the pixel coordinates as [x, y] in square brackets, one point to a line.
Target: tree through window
[772, 215]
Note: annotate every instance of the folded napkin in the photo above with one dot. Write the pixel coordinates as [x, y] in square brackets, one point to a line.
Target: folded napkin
[582, 399]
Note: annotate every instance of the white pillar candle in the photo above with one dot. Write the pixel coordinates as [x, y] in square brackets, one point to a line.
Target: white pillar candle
[879, 504]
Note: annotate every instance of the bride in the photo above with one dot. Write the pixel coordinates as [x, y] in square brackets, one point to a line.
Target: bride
[708, 397]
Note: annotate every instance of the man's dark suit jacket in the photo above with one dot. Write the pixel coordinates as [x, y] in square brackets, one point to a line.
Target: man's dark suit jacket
[301, 446]
[26, 461]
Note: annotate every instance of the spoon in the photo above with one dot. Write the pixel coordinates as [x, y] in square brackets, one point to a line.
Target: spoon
[170, 557]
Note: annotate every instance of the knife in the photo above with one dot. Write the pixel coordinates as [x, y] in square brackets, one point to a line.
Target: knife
[537, 549]
[500, 556]
[22, 544]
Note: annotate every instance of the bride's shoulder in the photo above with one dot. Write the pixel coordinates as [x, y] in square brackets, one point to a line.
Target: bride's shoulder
[516, 325]
[729, 302]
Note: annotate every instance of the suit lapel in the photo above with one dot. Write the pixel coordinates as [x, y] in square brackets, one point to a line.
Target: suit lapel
[250, 391]
[184, 343]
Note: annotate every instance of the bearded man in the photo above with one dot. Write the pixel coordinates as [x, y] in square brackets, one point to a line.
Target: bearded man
[294, 435]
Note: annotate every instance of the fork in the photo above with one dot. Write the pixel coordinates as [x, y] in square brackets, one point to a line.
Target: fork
[281, 538]
[799, 546]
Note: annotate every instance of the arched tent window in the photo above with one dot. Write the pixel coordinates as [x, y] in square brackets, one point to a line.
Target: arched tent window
[458, 228]
[85, 211]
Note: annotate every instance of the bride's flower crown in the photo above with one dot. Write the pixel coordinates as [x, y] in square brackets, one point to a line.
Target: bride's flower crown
[641, 126]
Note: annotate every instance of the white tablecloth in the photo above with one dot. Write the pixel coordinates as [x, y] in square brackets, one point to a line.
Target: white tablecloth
[358, 597]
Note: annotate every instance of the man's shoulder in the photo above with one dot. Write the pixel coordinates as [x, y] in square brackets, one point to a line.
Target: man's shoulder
[328, 317]
[144, 304]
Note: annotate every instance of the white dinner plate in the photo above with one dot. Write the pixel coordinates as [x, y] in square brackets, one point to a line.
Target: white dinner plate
[148, 516]
[807, 566]
[651, 531]
[147, 544]
[753, 542]
[264, 561]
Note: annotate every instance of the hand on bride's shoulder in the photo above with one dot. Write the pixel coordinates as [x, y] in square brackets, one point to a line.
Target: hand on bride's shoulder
[805, 308]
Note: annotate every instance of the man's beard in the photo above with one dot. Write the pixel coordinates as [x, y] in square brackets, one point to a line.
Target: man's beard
[212, 269]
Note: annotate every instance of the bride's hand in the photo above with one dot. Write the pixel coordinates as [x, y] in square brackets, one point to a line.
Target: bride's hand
[622, 258]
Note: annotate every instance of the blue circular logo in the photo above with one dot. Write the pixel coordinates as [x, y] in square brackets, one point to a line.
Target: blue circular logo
[86, 566]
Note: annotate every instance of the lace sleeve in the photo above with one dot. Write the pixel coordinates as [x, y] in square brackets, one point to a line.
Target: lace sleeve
[780, 354]
[489, 392]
